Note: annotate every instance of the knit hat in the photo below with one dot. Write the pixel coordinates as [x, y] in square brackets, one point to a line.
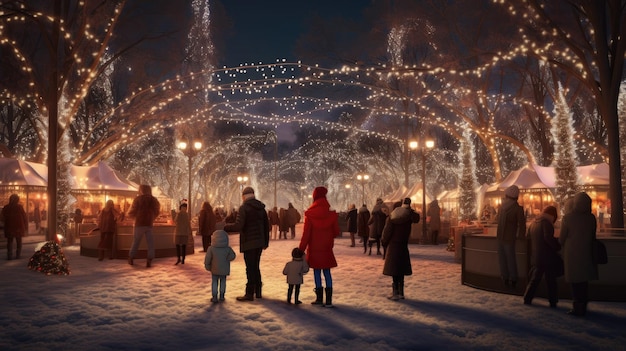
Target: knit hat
[296, 253]
[512, 192]
[319, 192]
[407, 202]
[247, 190]
[551, 210]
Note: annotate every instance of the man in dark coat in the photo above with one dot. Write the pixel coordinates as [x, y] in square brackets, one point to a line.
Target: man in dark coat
[511, 226]
[544, 257]
[351, 218]
[144, 210]
[395, 239]
[15, 225]
[293, 218]
[254, 237]
[362, 227]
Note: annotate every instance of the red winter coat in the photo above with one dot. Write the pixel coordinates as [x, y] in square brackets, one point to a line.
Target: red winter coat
[321, 226]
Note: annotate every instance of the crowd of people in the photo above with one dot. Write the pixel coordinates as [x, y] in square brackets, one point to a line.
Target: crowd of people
[570, 255]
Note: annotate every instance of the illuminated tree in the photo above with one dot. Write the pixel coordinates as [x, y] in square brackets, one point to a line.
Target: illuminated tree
[587, 40]
[467, 182]
[567, 182]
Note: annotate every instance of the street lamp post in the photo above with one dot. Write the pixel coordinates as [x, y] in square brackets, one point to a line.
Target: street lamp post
[189, 150]
[242, 179]
[414, 145]
[348, 187]
[362, 178]
[302, 189]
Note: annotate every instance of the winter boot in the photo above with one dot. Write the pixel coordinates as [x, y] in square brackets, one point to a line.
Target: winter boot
[401, 290]
[257, 291]
[249, 296]
[319, 295]
[579, 309]
[149, 263]
[297, 296]
[329, 297]
[18, 252]
[183, 253]
[177, 254]
[394, 295]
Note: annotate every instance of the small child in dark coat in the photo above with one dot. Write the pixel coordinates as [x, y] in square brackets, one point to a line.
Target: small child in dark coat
[294, 270]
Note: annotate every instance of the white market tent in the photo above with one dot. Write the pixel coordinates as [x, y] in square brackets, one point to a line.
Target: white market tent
[99, 178]
[414, 193]
[19, 173]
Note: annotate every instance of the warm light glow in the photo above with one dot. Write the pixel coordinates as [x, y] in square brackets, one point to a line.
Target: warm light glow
[242, 179]
[348, 186]
[413, 144]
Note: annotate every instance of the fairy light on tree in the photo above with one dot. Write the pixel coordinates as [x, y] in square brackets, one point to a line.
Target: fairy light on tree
[567, 182]
[467, 181]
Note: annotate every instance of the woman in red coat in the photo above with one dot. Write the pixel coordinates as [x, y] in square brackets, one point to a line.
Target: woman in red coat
[321, 226]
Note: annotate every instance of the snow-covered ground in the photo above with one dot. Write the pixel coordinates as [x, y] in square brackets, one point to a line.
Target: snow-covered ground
[110, 305]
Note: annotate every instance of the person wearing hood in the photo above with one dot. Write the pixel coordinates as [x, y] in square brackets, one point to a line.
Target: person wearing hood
[511, 226]
[321, 227]
[544, 257]
[362, 228]
[217, 261]
[254, 237]
[395, 240]
[377, 221]
[578, 230]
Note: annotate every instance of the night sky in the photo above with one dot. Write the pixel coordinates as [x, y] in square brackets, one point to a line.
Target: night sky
[264, 31]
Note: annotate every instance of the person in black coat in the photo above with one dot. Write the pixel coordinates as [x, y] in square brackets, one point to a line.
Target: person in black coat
[395, 239]
[254, 237]
[362, 227]
[351, 219]
[377, 221]
[544, 257]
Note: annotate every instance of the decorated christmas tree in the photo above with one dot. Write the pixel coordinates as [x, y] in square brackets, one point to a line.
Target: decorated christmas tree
[50, 260]
[567, 183]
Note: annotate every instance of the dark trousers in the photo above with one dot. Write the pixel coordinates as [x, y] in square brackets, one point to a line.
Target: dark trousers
[252, 258]
[206, 242]
[18, 242]
[536, 273]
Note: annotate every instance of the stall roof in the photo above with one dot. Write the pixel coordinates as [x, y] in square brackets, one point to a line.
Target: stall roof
[15, 172]
[99, 177]
[540, 177]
